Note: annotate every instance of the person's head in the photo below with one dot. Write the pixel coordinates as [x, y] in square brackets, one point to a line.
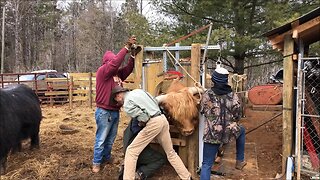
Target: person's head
[108, 56]
[220, 76]
[117, 95]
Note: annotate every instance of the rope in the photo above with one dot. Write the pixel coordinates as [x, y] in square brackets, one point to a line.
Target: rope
[274, 117]
[198, 86]
[239, 80]
[177, 62]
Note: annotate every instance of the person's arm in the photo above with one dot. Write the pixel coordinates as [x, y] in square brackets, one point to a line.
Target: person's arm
[112, 66]
[124, 72]
[236, 108]
[135, 111]
[205, 104]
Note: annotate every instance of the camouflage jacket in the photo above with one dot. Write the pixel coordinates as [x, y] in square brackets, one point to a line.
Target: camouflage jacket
[221, 113]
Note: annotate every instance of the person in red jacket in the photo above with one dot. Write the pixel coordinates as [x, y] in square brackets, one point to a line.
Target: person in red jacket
[108, 75]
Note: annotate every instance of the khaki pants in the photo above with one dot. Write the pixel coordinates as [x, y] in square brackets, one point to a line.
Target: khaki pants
[157, 127]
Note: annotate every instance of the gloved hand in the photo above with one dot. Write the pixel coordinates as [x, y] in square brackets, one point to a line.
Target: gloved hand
[132, 40]
[142, 124]
[135, 50]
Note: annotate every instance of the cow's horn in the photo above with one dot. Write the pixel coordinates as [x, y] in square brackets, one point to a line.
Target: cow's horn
[194, 90]
[161, 98]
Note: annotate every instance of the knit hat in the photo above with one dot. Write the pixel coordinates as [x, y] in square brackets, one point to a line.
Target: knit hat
[220, 75]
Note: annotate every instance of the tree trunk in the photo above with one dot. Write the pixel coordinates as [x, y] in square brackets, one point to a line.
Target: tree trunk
[239, 63]
[17, 38]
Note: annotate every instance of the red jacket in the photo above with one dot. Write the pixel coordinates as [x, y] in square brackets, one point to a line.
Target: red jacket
[106, 72]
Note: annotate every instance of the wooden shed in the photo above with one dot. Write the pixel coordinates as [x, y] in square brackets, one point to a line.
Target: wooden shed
[293, 40]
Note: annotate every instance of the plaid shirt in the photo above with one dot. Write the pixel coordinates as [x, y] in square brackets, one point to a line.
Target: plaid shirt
[221, 114]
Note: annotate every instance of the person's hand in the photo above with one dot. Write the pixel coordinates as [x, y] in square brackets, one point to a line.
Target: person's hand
[136, 50]
[132, 40]
[142, 124]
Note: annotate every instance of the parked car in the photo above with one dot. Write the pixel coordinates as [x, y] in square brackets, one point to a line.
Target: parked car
[37, 79]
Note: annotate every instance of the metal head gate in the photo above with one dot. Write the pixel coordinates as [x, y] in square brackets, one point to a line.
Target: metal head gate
[308, 117]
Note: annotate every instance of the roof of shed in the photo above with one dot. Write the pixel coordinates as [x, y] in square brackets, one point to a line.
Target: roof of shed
[306, 27]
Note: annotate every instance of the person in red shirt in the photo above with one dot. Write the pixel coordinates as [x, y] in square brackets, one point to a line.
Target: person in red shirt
[109, 75]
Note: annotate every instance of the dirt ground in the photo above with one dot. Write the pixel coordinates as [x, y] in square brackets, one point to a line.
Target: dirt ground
[69, 156]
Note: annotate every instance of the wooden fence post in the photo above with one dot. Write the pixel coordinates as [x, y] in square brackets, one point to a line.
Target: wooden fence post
[193, 144]
[70, 92]
[288, 82]
[90, 89]
[138, 69]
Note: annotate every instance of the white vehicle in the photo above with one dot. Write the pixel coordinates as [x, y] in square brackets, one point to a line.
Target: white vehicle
[36, 79]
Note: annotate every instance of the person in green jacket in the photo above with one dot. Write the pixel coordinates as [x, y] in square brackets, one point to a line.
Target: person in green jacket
[149, 160]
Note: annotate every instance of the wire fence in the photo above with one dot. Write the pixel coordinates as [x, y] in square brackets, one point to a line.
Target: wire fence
[308, 118]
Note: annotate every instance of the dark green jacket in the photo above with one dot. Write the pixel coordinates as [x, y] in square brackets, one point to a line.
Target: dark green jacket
[149, 160]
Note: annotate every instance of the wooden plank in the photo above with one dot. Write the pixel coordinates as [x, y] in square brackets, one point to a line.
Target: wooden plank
[130, 78]
[55, 93]
[193, 139]
[71, 92]
[80, 98]
[81, 91]
[267, 107]
[59, 86]
[130, 85]
[79, 75]
[152, 78]
[303, 27]
[288, 84]
[184, 151]
[173, 129]
[138, 68]
[81, 83]
[90, 90]
[48, 80]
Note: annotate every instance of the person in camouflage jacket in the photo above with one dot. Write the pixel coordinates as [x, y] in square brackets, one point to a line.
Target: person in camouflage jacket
[222, 110]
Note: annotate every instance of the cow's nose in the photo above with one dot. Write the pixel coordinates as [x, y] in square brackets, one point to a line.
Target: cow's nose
[187, 133]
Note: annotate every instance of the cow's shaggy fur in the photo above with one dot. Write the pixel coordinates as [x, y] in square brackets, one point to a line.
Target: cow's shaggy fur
[20, 119]
[181, 108]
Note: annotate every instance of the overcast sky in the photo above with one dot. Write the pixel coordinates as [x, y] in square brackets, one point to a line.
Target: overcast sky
[147, 9]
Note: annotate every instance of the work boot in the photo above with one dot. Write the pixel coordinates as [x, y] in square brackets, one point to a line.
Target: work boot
[95, 168]
[240, 164]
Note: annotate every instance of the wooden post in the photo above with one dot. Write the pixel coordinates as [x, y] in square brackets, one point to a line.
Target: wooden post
[70, 92]
[90, 89]
[2, 39]
[138, 69]
[288, 84]
[193, 144]
[152, 77]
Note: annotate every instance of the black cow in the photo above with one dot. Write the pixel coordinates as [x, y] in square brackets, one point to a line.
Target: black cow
[20, 116]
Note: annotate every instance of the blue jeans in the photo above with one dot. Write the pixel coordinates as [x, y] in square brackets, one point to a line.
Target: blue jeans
[107, 126]
[210, 151]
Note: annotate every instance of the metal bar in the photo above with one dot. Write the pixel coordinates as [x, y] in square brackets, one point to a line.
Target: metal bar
[299, 117]
[311, 58]
[177, 57]
[309, 115]
[180, 48]
[191, 34]
[202, 66]
[203, 83]
[309, 173]
[151, 61]
[165, 67]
